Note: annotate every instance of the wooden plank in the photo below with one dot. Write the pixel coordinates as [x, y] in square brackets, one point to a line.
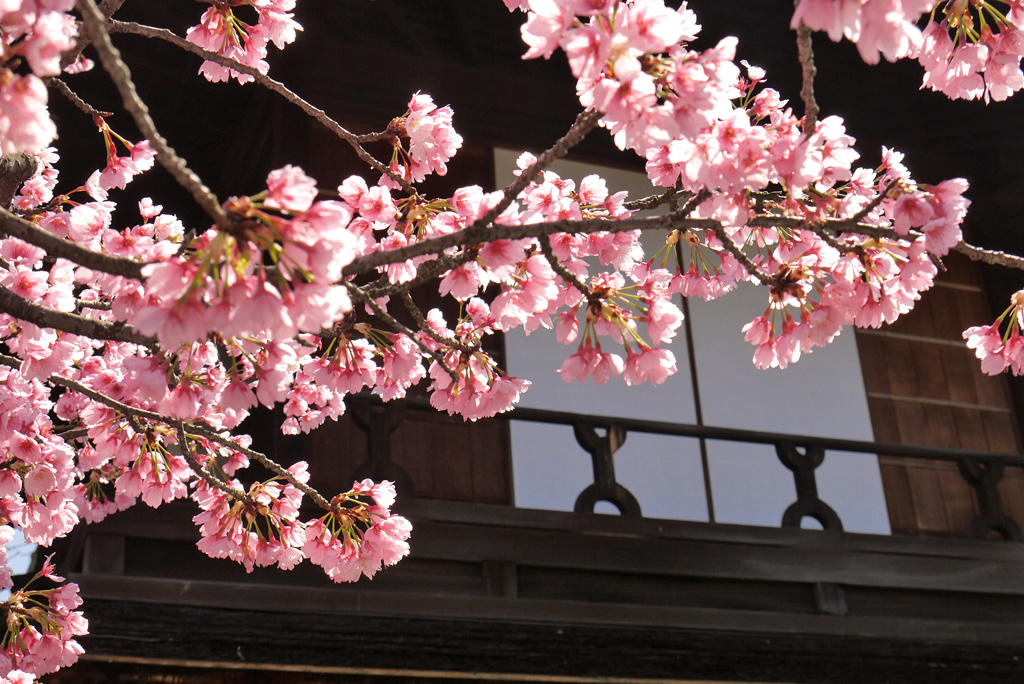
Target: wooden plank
[325, 602]
[967, 309]
[961, 271]
[960, 368]
[871, 349]
[335, 450]
[1001, 431]
[930, 373]
[919, 321]
[884, 423]
[448, 559]
[903, 379]
[926, 494]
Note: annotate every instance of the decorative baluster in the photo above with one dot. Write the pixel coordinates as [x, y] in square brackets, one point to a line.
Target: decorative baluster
[378, 421]
[984, 477]
[602, 450]
[803, 464]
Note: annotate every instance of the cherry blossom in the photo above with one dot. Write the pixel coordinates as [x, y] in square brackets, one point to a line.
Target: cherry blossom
[300, 296]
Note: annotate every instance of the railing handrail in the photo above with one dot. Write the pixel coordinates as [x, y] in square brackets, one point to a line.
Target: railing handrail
[538, 415]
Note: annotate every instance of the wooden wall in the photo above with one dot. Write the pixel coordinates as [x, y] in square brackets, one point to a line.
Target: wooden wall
[925, 387]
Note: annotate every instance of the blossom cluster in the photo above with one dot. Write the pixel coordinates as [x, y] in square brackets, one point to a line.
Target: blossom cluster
[223, 31]
[968, 49]
[41, 627]
[998, 349]
[736, 145]
[38, 33]
[356, 537]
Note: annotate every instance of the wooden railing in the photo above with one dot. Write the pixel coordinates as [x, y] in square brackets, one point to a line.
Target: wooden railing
[601, 436]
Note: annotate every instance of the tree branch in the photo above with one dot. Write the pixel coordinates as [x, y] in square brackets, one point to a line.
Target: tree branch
[74, 99]
[397, 326]
[269, 463]
[15, 226]
[584, 123]
[276, 86]
[803, 44]
[421, 323]
[559, 268]
[741, 256]
[990, 256]
[653, 201]
[15, 169]
[199, 470]
[107, 9]
[168, 158]
[45, 317]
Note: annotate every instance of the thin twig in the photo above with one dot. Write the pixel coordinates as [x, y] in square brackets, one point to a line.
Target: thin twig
[875, 201]
[803, 44]
[269, 463]
[741, 256]
[107, 9]
[426, 272]
[62, 88]
[168, 158]
[585, 122]
[559, 268]
[398, 327]
[653, 201]
[276, 86]
[421, 323]
[97, 306]
[196, 429]
[198, 469]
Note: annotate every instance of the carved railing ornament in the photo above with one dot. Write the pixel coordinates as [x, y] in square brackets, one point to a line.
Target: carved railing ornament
[602, 450]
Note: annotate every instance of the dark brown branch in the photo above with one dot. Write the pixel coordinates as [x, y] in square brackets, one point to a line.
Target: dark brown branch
[741, 256]
[15, 226]
[398, 327]
[109, 402]
[426, 272]
[330, 124]
[584, 123]
[421, 323]
[803, 43]
[559, 268]
[168, 158]
[62, 88]
[875, 201]
[653, 201]
[15, 169]
[45, 317]
[990, 256]
[107, 9]
[269, 463]
[200, 471]
[481, 234]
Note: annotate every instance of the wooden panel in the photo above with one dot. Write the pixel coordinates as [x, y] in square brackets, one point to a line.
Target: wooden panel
[960, 369]
[924, 387]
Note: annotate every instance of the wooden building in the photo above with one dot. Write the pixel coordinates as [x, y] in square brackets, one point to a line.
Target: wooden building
[505, 592]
